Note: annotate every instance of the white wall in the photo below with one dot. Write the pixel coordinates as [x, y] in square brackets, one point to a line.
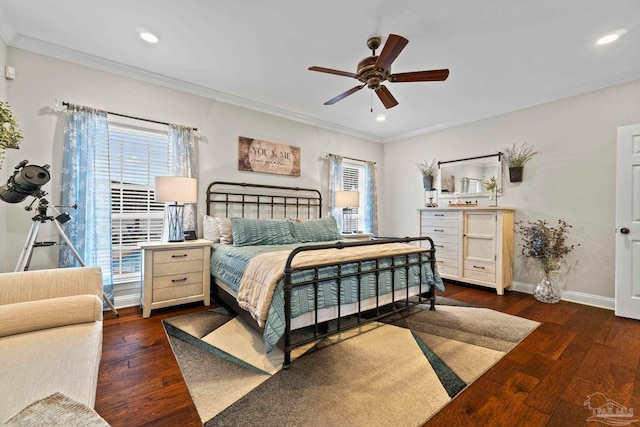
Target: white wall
[3, 172]
[42, 80]
[572, 177]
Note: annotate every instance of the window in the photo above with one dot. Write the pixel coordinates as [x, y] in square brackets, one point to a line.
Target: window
[353, 180]
[136, 156]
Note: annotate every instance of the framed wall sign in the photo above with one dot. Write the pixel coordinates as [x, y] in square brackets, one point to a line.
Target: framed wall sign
[255, 155]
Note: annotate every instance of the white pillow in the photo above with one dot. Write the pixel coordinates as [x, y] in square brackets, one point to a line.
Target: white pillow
[210, 229]
[217, 229]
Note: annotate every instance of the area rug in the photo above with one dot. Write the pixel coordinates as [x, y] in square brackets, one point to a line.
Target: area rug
[400, 372]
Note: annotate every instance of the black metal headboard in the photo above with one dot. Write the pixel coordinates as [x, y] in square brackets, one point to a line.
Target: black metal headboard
[243, 200]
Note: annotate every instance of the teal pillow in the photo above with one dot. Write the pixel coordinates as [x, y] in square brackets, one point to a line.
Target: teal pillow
[247, 232]
[316, 230]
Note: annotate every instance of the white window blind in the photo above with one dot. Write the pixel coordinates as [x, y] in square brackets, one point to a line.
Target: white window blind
[136, 156]
[353, 180]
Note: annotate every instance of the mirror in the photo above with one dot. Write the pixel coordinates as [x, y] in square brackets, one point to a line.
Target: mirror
[464, 177]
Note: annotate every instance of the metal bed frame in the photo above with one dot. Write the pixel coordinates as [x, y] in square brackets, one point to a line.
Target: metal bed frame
[281, 201]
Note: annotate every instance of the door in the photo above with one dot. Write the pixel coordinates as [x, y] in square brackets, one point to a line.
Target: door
[627, 300]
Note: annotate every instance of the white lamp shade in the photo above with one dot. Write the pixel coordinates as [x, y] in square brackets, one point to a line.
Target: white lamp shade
[178, 189]
[347, 199]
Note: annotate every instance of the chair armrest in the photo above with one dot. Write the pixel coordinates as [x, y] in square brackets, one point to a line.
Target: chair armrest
[44, 284]
[30, 316]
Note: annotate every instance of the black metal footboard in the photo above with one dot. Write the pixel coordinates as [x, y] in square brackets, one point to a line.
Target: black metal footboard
[421, 258]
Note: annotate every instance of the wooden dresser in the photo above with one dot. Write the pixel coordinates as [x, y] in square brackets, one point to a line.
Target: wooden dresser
[175, 273]
[473, 245]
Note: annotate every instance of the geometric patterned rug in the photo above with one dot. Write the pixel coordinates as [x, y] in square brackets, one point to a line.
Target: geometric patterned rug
[400, 372]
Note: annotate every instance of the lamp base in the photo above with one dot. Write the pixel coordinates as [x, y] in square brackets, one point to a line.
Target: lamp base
[176, 232]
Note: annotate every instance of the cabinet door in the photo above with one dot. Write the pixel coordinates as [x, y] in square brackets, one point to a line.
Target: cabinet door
[480, 246]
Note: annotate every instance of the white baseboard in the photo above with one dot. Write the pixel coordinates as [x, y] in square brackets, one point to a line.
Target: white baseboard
[572, 296]
[127, 301]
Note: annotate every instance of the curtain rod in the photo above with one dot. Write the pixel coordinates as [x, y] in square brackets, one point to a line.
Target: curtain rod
[67, 104]
[350, 158]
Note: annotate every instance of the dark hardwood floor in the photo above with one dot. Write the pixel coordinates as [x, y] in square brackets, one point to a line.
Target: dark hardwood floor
[577, 351]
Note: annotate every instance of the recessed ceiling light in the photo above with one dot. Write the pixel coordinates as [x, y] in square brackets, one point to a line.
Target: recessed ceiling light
[611, 37]
[147, 36]
[381, 118]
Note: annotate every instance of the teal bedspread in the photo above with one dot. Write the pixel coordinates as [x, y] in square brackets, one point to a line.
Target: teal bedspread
[228, 263]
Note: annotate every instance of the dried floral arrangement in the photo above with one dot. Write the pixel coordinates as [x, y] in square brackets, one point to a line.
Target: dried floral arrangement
[547, 245]
[426, 168]
[518, 156]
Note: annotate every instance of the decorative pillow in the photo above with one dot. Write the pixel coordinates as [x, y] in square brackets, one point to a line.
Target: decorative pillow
[316, 230]
[217, 229]
[261, 232]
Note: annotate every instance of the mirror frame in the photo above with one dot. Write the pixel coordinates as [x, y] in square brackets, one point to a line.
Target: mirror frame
[470, 160]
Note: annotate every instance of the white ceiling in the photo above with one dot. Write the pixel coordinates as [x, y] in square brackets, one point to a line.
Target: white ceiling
[503, 55]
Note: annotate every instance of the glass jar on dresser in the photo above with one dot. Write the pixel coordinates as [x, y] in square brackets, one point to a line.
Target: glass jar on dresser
[473, 245]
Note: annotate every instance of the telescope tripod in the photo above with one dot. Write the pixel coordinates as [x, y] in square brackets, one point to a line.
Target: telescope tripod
[39, 219]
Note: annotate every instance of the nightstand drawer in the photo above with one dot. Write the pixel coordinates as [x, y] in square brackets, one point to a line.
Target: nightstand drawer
[178, 255]
[177, 268]
[176, 280]
[175, 292]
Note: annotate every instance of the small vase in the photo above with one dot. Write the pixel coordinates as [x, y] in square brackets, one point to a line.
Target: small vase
[427, 183]
[546, 290]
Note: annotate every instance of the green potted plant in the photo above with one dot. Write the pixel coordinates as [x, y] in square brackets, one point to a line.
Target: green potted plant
[515, 158]
[10, 135]
[428, 171]
[548, 246]
[492, 186]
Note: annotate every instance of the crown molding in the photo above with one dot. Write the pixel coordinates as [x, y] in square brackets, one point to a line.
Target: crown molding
[37, 46]
[48, 49]
[521, 105]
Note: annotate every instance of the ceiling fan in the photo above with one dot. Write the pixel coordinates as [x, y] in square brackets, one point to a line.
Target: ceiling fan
[374, 70]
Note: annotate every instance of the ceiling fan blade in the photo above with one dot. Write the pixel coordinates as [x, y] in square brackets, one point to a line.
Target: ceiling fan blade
[385, 96]
[390, 51]
[420, 76]
[336, 72]
[344, 95]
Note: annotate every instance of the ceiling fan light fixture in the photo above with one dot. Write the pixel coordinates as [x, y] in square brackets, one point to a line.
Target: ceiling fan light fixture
[611, 37]
[147, 36]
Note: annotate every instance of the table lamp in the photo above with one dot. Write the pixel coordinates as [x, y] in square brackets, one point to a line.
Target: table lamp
[347, 200]
[176, 190]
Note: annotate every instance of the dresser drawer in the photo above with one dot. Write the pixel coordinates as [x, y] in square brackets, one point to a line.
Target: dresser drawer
[480, 270]
[431, 231]
[440, 222]
[177, 256]
[177, 268]
[440, 214]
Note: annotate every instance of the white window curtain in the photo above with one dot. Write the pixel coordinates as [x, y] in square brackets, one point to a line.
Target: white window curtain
[370, 199]
[183, 156]
[335, 184]
[85, 183]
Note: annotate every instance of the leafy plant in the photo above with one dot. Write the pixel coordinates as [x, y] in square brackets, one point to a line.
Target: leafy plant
[547, 245]
[491, 184]
[10, 135]
[426, 168]
[518, 156]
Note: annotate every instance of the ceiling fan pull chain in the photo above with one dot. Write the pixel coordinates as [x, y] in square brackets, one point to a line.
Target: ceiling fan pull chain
[371, 98]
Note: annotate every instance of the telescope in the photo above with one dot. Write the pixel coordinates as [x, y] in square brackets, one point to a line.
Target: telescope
[25, 181]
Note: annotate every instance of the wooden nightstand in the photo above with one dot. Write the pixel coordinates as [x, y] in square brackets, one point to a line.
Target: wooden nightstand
[357, 236]
[175, 273]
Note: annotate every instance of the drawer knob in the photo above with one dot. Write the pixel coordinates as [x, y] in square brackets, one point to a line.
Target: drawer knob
[478, 266]
[439, 215]
[179, 256]
[439, 246]
[441, 231]
[184, 279]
